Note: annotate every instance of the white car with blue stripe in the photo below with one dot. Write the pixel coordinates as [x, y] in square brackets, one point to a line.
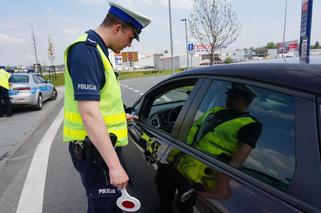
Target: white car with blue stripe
[30, 89]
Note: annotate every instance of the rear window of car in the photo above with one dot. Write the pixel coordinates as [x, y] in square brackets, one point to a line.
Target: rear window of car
[19, 79]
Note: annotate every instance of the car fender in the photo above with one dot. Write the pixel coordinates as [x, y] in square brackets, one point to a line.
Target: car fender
[37, 93]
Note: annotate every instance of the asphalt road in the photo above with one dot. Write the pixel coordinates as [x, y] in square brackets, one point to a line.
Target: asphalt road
[30, 139]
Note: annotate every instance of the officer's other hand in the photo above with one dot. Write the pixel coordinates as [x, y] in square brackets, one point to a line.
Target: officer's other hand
[131, 118]
[118, 177]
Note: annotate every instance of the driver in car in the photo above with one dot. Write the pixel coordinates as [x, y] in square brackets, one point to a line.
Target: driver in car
[228, 133]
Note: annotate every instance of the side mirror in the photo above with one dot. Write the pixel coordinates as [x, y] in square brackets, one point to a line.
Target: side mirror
[131, 110]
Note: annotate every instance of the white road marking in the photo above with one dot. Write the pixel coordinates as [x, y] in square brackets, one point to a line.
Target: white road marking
[31, 198]
[125, 86]
[130, 88]
[136, 90]
[142, 93]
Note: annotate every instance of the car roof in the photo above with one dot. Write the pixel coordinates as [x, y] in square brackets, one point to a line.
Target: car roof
[303, 77]
[22, 73]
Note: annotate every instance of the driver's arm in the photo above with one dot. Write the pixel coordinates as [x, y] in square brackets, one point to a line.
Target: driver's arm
[222, 189]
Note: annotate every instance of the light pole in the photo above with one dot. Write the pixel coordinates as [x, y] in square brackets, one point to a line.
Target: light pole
[171, 34]
[285, 14]
[186, 39]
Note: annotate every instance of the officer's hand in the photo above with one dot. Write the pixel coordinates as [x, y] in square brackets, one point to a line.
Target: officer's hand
[118, 177]
[130, 118]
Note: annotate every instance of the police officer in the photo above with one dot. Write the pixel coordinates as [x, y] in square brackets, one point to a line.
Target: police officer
[93, 113]
[5, 106]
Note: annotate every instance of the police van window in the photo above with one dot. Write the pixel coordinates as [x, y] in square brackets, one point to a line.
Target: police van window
[165, 107]
[234, 115]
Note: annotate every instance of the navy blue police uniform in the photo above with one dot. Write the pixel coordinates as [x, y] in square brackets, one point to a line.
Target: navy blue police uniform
[86, 68]
[88, 78]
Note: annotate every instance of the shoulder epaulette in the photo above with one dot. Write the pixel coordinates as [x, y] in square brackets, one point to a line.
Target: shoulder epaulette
[91, 42]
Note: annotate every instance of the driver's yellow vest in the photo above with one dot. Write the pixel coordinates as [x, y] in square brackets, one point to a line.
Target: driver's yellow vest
[221, 140]
[110, 105]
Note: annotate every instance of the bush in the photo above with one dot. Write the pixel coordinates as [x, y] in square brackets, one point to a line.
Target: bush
[228, 60]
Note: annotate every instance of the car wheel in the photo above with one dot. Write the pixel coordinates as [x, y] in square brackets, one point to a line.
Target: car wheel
[54, 94]
[39, 103]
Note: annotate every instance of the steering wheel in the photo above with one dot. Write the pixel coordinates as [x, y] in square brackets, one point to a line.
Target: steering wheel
[172, 116]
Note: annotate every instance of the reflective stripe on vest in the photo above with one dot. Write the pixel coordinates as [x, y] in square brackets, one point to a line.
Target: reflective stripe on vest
[110, 104]
[223, 139]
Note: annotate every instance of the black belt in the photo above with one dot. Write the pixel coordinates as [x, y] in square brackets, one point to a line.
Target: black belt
[86, 150]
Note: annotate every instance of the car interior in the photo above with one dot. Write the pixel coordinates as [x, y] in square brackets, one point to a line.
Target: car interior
[166, 108]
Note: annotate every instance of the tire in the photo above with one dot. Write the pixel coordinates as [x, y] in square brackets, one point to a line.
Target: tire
[54, 94]
[39, 104]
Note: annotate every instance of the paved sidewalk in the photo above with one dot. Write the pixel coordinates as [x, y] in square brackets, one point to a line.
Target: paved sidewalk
[14, 130]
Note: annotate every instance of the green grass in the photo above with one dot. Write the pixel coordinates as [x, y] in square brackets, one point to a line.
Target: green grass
[122, 75]
[60, 81]
[143, 74]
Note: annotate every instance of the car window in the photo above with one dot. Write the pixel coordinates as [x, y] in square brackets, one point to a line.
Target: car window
[165, 107]
[41, 79]
[36, 79]
[19, 79]
[248, 127]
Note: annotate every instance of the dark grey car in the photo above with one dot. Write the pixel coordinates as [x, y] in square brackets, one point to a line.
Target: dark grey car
[282, 171]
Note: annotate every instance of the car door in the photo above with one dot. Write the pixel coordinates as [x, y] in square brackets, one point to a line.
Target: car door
[193, 177]
[160, 111]
[46, 88]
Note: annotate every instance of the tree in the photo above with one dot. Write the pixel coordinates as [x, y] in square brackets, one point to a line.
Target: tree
[317, 45]
[270, 45]
[228, 60]
[51, 56]
[51, 51]
[214, 24]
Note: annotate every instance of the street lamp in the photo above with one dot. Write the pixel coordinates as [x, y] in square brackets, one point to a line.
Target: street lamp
[284, 27]
[171, 34]
[186, 39]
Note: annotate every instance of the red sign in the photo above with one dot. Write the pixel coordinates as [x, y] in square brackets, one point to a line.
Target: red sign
[289, 46]
[205, 47]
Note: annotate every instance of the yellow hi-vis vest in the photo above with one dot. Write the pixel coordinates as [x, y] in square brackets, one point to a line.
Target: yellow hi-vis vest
[110, 105]
[222, 139]
[4, 78]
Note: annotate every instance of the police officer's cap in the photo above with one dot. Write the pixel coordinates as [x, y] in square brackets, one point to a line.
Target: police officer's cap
[134, 19]
[242, 90]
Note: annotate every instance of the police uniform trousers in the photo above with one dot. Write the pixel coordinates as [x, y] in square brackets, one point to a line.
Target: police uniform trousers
[5, 106]
[101, 194]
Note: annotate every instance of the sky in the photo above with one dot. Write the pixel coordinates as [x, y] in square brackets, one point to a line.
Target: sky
[261, 21]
